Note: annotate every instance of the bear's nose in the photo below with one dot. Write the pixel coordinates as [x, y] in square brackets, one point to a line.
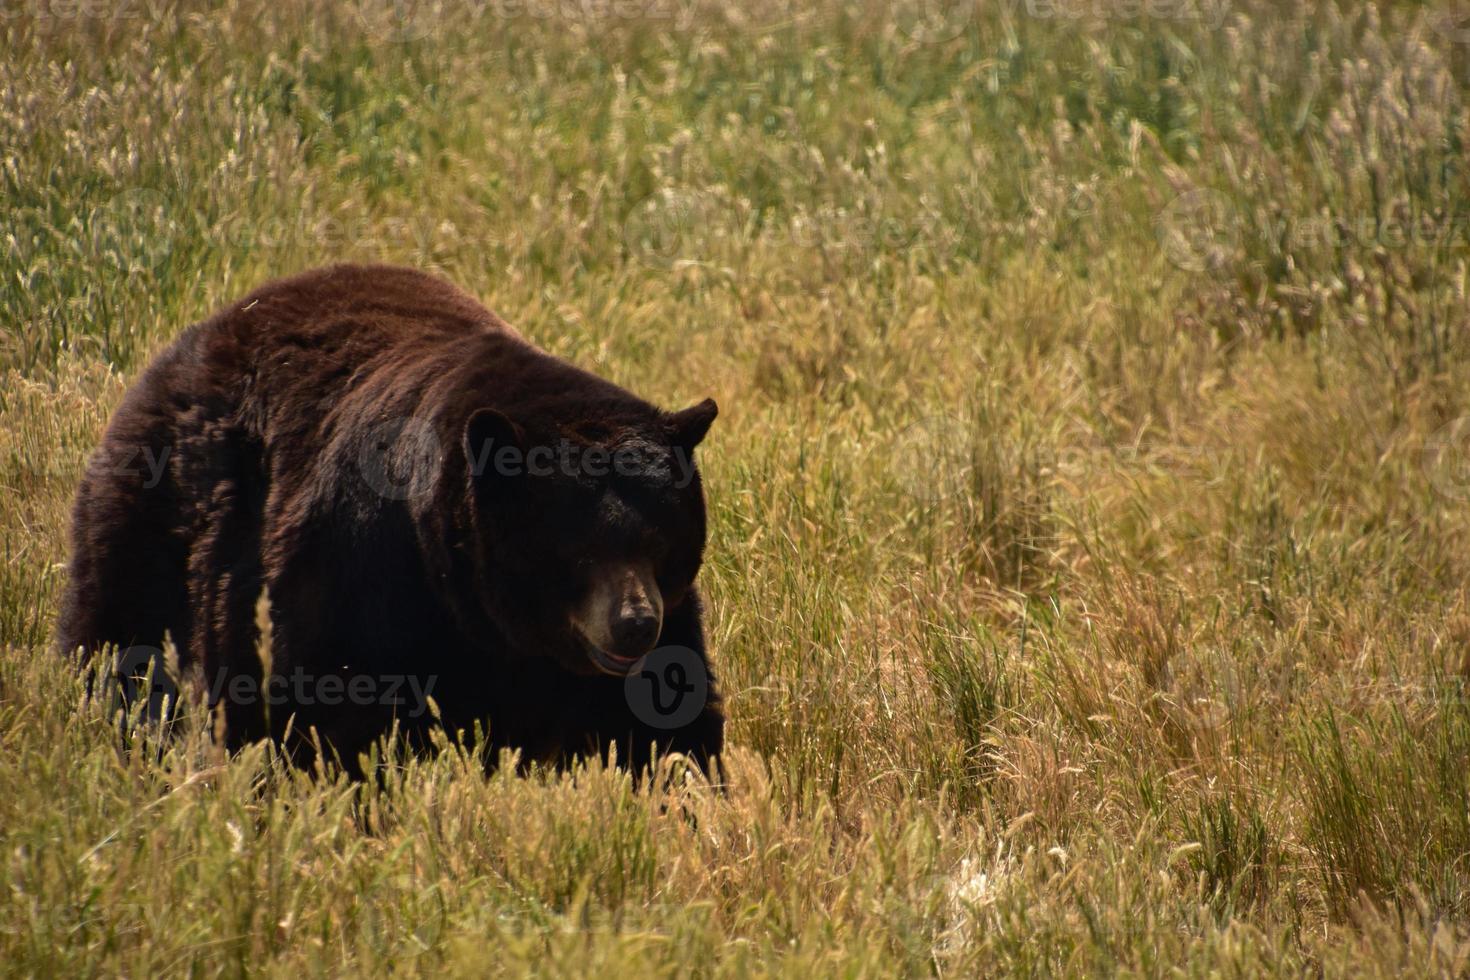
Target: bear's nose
[635, 632]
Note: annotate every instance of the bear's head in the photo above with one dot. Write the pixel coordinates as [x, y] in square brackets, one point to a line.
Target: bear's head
[587, 536]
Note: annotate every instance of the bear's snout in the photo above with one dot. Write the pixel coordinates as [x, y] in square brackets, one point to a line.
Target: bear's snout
[622, 615]
[635, 632]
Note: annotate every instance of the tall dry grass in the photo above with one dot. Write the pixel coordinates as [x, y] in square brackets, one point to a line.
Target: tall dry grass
[1090, 498]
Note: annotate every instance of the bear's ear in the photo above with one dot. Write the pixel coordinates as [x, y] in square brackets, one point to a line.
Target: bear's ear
[687, 428]
[485, 434]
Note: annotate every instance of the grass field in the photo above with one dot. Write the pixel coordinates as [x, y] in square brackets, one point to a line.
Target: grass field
[1090, 549]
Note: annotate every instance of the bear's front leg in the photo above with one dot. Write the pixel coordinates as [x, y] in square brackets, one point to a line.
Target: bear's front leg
[638, 743]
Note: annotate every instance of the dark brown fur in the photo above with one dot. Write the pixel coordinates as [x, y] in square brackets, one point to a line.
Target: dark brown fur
[259, 419]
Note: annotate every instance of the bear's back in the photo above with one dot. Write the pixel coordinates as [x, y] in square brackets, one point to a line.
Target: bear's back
[383, 297]
[315, 336]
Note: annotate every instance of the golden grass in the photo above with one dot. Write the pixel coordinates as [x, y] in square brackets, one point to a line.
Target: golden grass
[1090, 498]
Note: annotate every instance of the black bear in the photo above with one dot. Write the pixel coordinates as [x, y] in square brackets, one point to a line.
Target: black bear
[434, 507]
